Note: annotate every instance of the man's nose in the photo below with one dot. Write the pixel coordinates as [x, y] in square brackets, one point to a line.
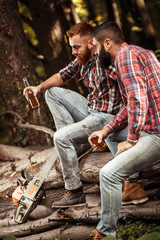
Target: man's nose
[74, 51]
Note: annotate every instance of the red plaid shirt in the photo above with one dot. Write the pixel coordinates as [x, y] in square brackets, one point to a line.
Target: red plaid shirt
[104, 95]
[138, 72]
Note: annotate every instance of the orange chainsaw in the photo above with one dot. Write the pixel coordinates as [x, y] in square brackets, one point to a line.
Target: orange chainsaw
[29, 192]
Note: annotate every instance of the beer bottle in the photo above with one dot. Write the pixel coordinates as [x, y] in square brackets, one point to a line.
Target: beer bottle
[32, 99]
[100, 146]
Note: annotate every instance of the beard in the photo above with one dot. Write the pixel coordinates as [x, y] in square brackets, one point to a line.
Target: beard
[104, 58]
[86, 56]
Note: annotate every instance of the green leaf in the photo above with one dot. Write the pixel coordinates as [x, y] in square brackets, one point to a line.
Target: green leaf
[150, 236]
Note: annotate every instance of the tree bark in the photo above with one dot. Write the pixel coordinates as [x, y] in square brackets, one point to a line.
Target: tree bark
[14, 66]
[65, 232]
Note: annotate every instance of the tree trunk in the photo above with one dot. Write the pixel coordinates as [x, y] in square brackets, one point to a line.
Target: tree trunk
[91, 10]
[148, 28]
[49, 19]
[126, 25]
[14, 66]
[74, 14]
[116, 12]
[110, 11]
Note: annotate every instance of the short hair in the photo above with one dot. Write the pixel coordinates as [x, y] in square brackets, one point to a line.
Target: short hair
[109, 30]
[81, 28]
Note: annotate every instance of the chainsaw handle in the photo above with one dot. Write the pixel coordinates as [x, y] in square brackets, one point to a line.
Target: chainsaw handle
[25, 174]
[19, 182]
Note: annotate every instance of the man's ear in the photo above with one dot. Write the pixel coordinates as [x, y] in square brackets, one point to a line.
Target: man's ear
[107, 44]
[90, 44]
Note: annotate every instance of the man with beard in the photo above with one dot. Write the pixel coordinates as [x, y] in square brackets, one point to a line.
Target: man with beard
[71, 110]
[138, 76]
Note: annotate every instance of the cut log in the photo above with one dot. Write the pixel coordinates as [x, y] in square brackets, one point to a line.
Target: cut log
[65, 232]
[44, 218]
[12, 153]
[146, 211]
[91, 164]
[89, 170]
[30, 227]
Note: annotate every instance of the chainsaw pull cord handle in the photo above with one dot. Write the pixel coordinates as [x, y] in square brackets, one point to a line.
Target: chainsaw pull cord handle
[25, 174]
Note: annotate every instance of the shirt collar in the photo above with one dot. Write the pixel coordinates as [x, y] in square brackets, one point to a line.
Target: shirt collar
[124, 44]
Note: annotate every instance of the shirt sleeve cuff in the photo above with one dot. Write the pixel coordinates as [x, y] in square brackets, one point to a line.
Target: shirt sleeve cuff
[133, 137]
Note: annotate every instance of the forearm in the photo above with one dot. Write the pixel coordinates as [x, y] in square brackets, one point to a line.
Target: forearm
[53, 81]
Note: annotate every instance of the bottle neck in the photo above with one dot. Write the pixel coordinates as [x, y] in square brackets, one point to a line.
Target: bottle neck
[87, 130]
[26, 83]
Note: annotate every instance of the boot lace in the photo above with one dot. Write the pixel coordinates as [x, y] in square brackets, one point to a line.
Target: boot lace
[67, 194]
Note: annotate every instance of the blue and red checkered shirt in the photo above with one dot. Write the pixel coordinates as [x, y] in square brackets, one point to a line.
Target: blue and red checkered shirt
[104, 95]
[138, 72]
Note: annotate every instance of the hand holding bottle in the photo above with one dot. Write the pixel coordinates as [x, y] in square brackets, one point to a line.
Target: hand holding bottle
[94, 139]
[30, 93]
[99, 137]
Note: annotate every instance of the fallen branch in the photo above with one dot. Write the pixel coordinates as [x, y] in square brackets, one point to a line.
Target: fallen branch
[18, 122]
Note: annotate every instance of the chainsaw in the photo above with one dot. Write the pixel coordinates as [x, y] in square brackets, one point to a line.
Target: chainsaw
[30, 192]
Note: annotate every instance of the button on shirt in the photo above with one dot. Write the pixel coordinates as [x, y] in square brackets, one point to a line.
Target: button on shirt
[138, 72]
[104, 95]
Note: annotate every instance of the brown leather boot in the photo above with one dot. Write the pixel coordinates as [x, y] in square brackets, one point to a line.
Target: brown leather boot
[133, 193]
[98, 235]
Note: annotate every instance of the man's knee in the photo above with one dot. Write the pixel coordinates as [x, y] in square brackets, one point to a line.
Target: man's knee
[61, 137]
[109, 174]
[49, 94]
[104, 173]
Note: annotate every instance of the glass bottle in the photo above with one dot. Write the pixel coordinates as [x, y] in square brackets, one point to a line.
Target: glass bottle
[100, 146]
[32, 99]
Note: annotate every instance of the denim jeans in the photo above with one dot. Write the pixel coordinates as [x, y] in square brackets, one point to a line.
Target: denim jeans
[112, 143]
[70, 112]
[141, 155]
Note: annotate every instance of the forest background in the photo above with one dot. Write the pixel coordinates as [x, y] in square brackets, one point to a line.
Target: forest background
[33, 44]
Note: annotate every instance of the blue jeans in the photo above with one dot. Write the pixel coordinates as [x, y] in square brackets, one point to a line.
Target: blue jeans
[70, 112]
[141, 155]
[112, 143]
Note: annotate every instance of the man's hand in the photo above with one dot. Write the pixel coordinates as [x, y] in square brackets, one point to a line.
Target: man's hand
[34, 89]
[123, 146]
[101, 134]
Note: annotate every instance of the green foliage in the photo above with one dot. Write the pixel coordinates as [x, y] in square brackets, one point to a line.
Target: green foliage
[30, 34]
[81, 9]
[109, 238]
[151, 236]
[134, 230]
[58, 238]
[24, 10]
[29, 31]
[10, 238]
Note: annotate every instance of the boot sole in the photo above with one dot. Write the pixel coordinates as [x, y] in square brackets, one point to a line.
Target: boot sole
[71, 205]
[138, 201]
